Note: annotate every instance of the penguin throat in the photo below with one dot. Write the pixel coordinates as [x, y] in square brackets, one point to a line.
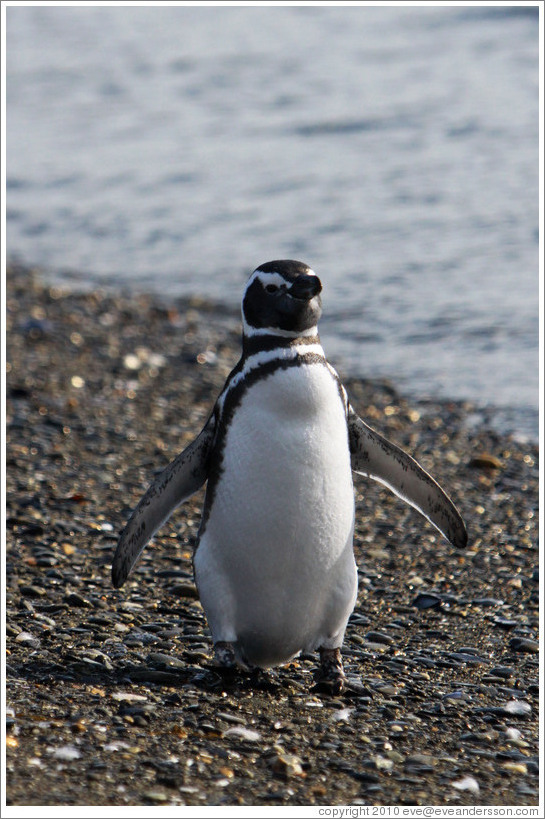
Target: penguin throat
[268, 339]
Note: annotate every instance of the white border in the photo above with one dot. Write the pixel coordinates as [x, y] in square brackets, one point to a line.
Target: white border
[339, 812]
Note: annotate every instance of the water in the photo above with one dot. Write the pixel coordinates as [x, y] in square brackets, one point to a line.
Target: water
[394, 149]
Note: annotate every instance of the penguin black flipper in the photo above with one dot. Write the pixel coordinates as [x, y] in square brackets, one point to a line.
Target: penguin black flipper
[375, 457]
[181, 479]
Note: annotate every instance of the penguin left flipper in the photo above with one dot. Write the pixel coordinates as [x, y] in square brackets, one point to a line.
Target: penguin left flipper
[181, 478]
[375, 457]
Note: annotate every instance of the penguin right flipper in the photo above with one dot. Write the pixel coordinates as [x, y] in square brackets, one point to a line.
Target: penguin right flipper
[374, 456]
[181, 478]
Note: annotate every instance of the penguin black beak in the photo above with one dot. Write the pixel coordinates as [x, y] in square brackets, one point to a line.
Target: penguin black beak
[305, 287]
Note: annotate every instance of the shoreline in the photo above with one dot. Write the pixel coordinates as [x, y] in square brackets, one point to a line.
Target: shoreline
[521, 423]
[111, 698]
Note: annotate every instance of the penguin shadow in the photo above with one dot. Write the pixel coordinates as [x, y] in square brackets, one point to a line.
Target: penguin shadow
[233, 679]
[283, 679]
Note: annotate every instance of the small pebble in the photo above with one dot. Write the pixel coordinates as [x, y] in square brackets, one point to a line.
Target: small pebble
[457, 695]
[485, 461]
[157, 796]
[468, 783]
[343, 715]
[240, 732]
[383, 764]
[164, 661]
[517, 708]
[128, 696]
[287, 765]
[28, 639]
[502, 671]
[379, 637]
[185, 590]
[75, 599]
[427, 601]
[505, 623]
[512, 734]
[67, 753]
[524, 644]
[421, 759]
[132, 362]
[32, 591]
[515, 767]
[232, 718]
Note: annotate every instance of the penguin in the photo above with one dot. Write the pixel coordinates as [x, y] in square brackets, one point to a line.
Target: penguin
[274, 560]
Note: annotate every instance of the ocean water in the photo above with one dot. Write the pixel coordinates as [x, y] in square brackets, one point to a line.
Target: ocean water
[394, 149]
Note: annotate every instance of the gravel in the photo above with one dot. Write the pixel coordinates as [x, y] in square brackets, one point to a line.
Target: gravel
[111, 696]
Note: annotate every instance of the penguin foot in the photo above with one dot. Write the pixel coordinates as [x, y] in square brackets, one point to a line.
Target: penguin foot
[331, 675]
[228, 658]
[262, 679]
[224, 655]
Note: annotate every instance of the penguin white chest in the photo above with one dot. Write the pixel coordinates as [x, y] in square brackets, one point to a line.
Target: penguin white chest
[275, 566]
[286, 464]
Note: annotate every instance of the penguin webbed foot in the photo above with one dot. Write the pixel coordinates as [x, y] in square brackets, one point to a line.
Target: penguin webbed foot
[224, 656]
[230, 669]
[331, 677]
[227, 658]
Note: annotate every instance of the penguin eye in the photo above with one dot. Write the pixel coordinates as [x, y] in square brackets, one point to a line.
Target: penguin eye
[271, 288]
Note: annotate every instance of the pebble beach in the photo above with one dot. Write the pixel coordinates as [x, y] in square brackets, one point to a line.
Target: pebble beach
[111, 697]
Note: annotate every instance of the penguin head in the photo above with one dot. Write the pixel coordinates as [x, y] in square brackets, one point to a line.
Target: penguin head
[283, 298]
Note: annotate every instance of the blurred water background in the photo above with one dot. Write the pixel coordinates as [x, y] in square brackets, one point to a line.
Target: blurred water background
[394, 149]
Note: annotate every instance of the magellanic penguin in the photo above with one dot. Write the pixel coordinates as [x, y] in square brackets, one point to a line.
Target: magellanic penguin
[274, 562]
